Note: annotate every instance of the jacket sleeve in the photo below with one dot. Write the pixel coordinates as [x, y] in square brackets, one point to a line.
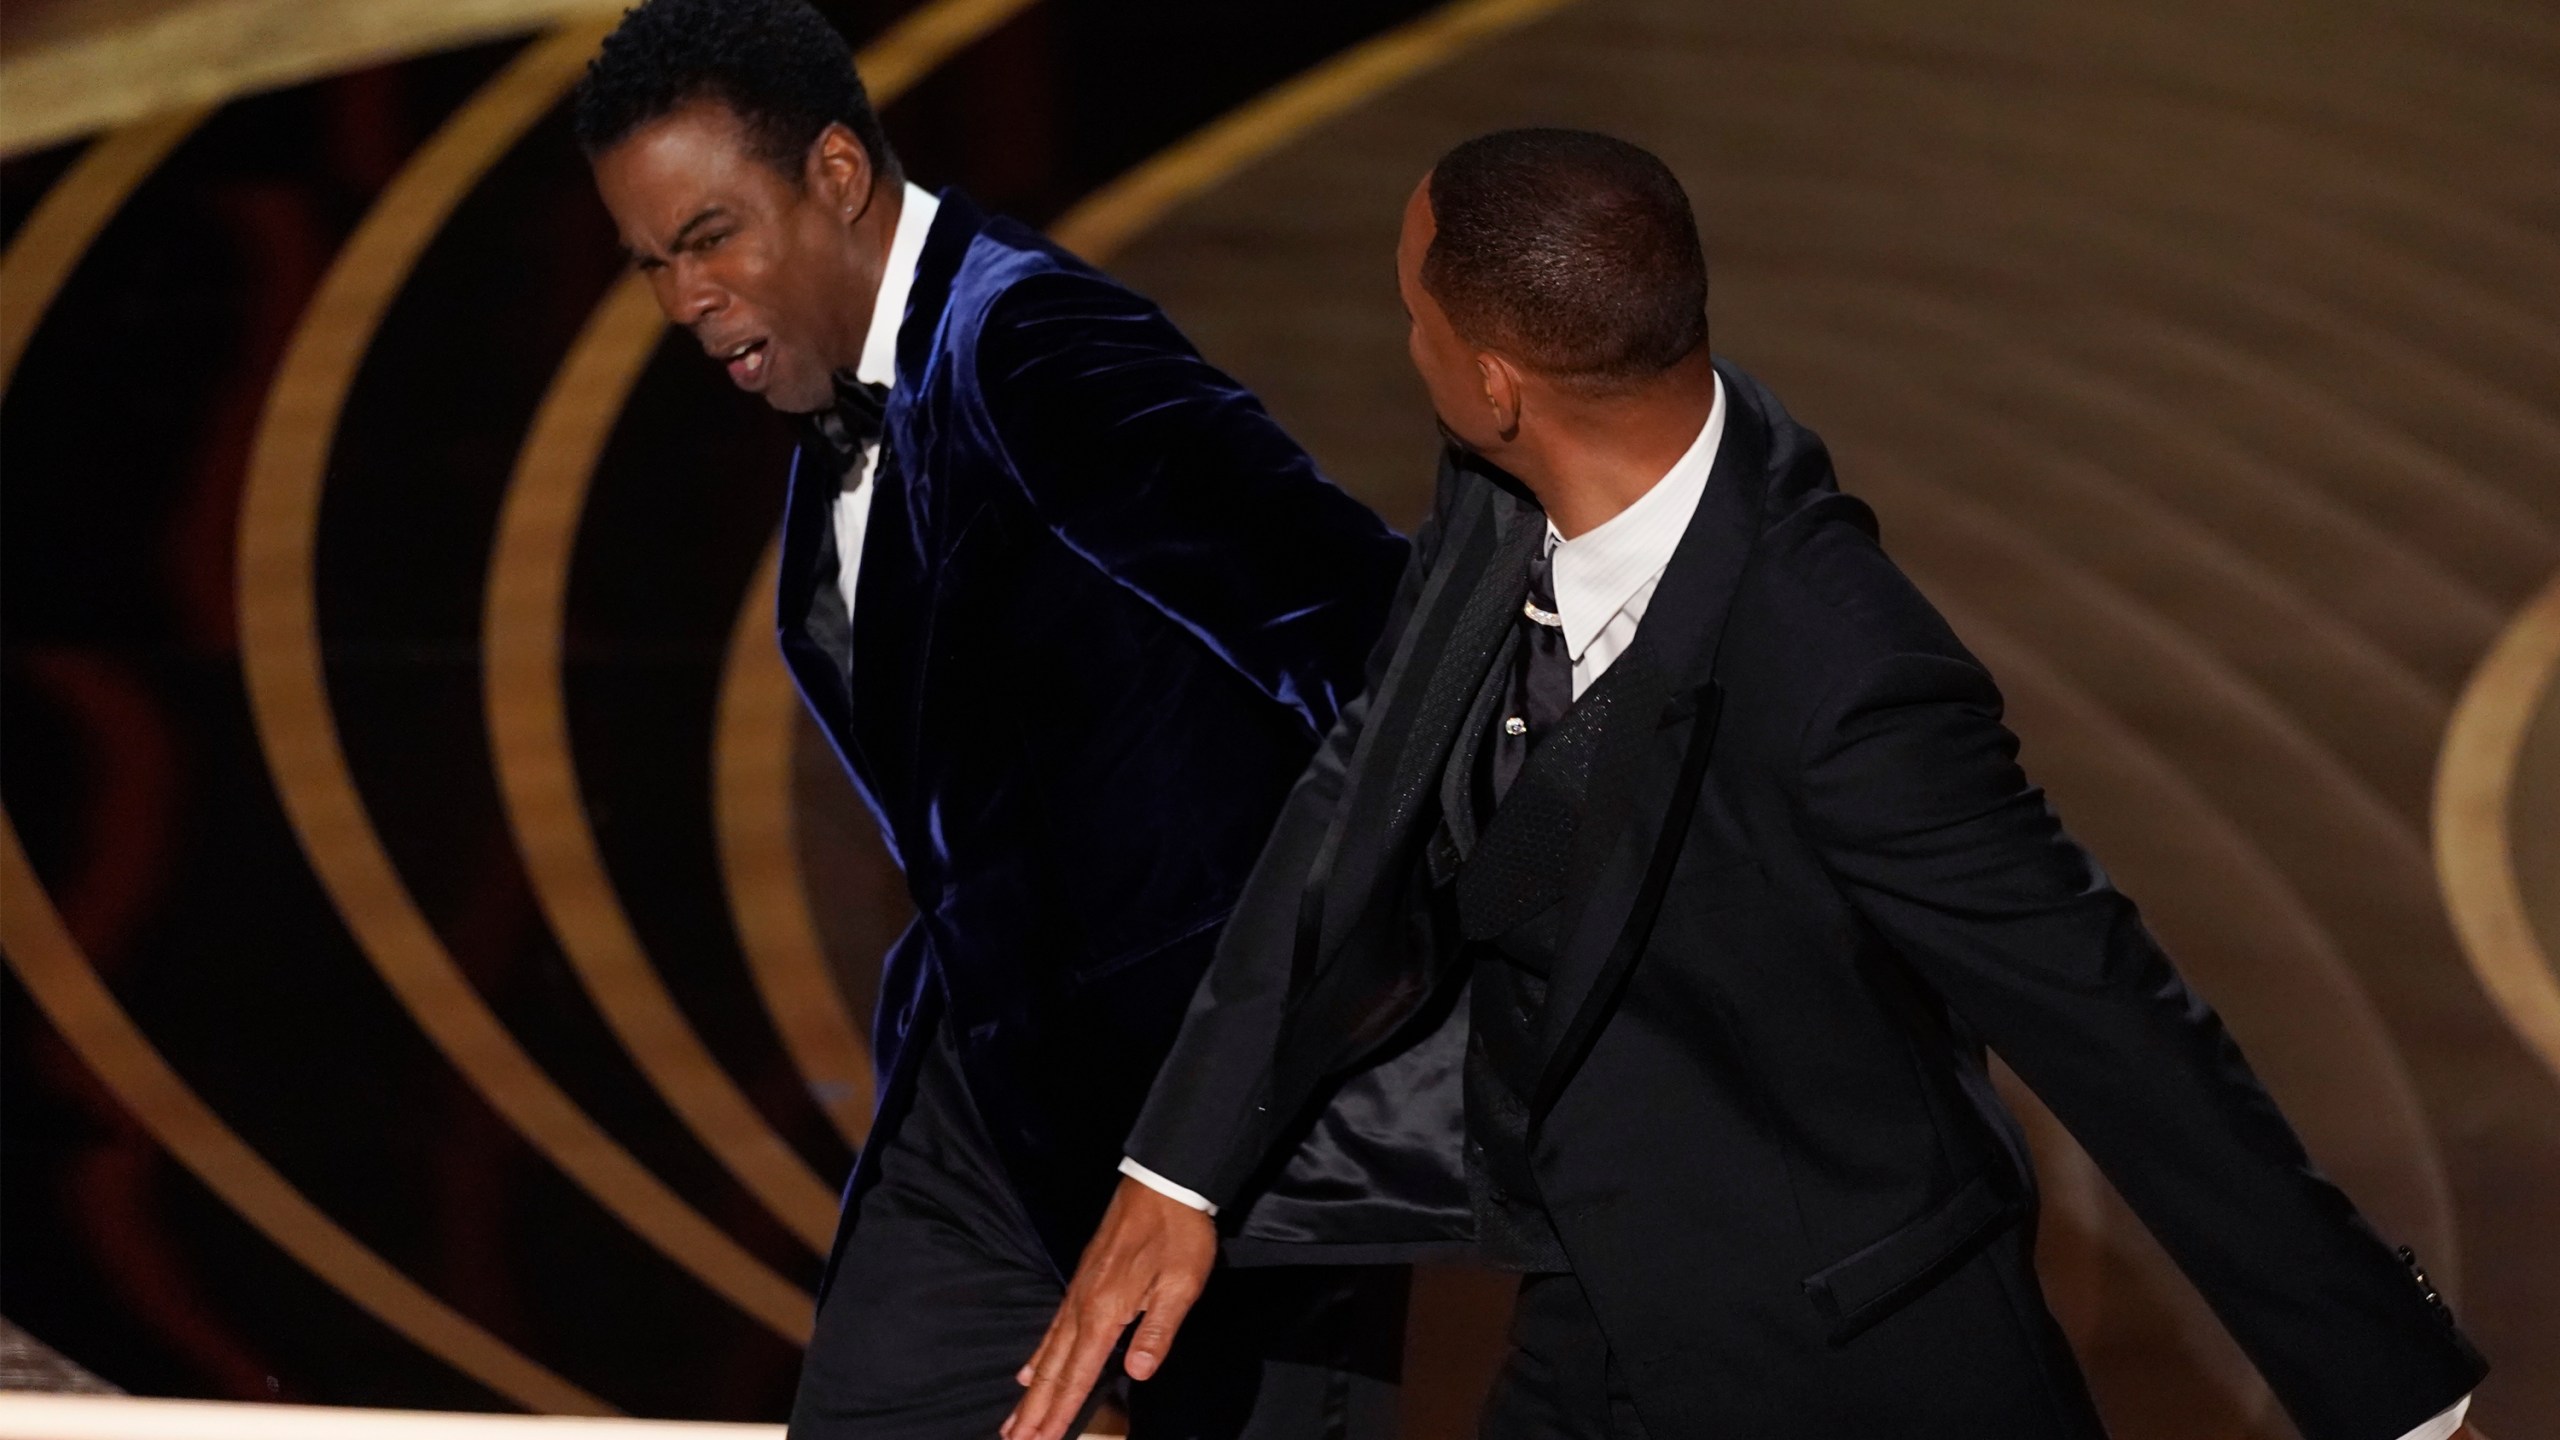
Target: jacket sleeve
[1174, 481]
[1211, 1120]
[1916, 802]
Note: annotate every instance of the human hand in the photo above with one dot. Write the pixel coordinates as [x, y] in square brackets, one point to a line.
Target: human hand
[1150, 1258]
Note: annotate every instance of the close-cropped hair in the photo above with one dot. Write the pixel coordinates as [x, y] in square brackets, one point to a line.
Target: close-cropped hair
[775, 64]
[1574, 253]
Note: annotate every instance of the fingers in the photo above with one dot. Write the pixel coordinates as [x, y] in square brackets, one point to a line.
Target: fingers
[1166, 1310]
[1063, 1374]
[1151, 1254]
[1033, 1408]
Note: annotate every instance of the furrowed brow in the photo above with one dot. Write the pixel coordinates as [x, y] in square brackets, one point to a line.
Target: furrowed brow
[715, 212]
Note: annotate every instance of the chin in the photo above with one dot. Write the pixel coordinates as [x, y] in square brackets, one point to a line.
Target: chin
[799, 399]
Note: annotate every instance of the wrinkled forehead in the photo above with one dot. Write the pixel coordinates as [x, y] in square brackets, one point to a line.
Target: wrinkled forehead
[663, 174]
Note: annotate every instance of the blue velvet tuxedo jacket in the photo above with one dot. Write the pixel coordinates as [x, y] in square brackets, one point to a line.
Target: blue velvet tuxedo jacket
[1105, 611]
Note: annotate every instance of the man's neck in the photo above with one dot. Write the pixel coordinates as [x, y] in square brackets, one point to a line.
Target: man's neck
[1595, 457]
[871, 236]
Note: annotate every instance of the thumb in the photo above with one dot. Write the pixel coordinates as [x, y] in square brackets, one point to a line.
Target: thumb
[1154, 1337]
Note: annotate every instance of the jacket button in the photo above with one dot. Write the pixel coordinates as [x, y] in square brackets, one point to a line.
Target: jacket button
[2418, 1273]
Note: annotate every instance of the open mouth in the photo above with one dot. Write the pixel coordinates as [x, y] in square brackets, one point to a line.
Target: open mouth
[746, 362]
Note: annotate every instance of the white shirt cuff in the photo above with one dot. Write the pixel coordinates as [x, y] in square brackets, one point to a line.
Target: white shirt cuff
[1200, 1202]
[2443, 1426]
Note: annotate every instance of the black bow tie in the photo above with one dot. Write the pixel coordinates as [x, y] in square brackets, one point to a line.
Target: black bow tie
[854, 421]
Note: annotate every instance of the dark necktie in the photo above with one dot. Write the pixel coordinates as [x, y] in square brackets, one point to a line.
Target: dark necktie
[1541, 687]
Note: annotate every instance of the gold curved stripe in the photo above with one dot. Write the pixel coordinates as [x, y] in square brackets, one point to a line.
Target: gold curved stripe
[2475, 841]
[49, 245]
[760, 863]
[918, 45]
[280, 653]
[107, 64]
[529, 739]
[66, 987]
[49, 961]
[1112, 216]
[752, 772]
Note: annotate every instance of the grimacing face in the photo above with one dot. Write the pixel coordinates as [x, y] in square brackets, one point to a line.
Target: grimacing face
[1451, 369]
[765, 273]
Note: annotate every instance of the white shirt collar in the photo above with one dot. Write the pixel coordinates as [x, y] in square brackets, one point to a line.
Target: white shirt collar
[1600, 570]
[879, 362]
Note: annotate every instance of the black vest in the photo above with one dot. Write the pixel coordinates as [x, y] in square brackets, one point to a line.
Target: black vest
[1504, 883]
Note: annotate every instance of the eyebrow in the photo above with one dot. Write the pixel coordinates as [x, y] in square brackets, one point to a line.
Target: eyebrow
[708, 215]
[683, 232]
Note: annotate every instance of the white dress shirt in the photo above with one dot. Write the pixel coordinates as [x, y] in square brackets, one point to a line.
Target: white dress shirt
[1604, 579]
[879, 366]
[1606, 576]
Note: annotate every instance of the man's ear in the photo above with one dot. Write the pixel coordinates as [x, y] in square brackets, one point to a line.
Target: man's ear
[840, 169]
[1501, 391]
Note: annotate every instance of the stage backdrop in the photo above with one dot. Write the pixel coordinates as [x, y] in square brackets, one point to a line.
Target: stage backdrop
[440, 953]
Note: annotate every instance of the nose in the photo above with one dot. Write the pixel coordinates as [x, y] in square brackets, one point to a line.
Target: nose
[686, 296]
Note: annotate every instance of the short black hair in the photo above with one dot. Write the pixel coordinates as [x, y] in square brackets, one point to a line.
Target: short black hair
[1576, 253]
[776, 64]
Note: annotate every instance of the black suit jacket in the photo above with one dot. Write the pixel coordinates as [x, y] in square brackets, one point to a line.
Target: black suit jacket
[1106, 611]
[1811, 884]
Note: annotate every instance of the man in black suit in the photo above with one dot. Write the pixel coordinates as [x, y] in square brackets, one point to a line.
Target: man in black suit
[1075, 612]
[1647, 920]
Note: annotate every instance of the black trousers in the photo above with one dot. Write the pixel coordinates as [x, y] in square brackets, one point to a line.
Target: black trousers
[1559, 1381]
[944, 1290]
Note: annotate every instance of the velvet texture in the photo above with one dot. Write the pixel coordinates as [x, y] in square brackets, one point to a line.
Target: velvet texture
[1106, 608]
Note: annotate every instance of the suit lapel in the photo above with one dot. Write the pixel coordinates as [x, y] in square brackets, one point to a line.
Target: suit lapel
[891, 616]
[1447, 654]
[903, 539]
[1349, 882]
[1476, 638]
[808, 602]
[1653, 761]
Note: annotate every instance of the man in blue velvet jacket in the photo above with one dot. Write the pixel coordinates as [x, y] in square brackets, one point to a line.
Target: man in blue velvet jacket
[1075, 612]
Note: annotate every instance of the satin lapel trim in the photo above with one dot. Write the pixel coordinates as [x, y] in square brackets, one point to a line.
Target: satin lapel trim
[1394, 797]
[1475, 638]
[1360, 774]
[955, 225]
[1347, 863]
[896, 591]
[1681, 630]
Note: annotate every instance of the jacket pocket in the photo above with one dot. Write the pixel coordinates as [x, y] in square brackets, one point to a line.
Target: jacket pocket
[1855, 1292]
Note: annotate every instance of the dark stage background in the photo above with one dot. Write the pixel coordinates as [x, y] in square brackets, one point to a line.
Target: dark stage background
[389, 734]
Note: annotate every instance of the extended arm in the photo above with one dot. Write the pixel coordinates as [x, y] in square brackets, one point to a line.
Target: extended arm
[1911, 788]
[1207, 1122]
